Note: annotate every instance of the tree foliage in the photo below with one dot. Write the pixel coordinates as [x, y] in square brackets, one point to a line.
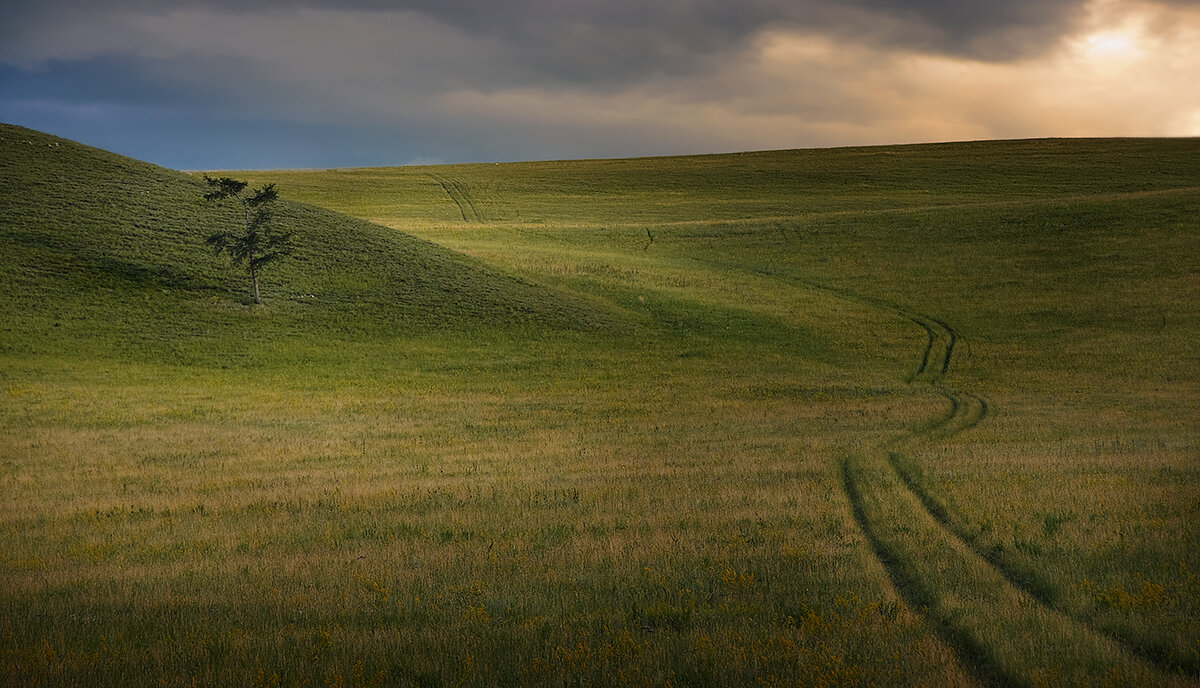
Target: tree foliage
[257, 241]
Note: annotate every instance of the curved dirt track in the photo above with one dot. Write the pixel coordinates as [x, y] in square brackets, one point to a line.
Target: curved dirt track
[1005, 631]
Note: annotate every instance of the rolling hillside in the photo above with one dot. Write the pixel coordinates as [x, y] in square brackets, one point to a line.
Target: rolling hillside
[106, 255]
[909, 415]
[1055, 283]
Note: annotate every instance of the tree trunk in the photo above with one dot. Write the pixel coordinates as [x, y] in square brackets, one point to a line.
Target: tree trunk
[254, 278]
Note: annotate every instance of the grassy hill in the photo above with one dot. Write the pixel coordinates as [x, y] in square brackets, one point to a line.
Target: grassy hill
[752, 186]
[107, 254]
[913, 415]
[1061, 268]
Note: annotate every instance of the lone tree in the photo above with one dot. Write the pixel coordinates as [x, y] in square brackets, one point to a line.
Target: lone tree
[256, 242]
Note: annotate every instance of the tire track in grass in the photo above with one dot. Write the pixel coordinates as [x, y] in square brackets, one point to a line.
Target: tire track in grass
[1005, 633]
[453, 197]
[462, 199]
[466, 197]
[973, 656]
[967, 411]
[1013, 634]
[1027, 580]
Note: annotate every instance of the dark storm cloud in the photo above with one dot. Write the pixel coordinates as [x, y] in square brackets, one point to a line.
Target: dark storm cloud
[461, 80]
[661, 33]
[618, 39]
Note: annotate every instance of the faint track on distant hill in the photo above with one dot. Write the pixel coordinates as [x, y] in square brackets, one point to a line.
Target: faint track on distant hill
[909, 531]
[461, 197]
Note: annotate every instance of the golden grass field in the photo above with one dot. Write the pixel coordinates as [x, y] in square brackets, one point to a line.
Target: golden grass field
[888, 416]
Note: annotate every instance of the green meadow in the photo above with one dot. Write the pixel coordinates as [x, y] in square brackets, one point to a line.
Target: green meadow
[912, 415]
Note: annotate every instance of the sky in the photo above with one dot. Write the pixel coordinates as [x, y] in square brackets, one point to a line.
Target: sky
[227, 84]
